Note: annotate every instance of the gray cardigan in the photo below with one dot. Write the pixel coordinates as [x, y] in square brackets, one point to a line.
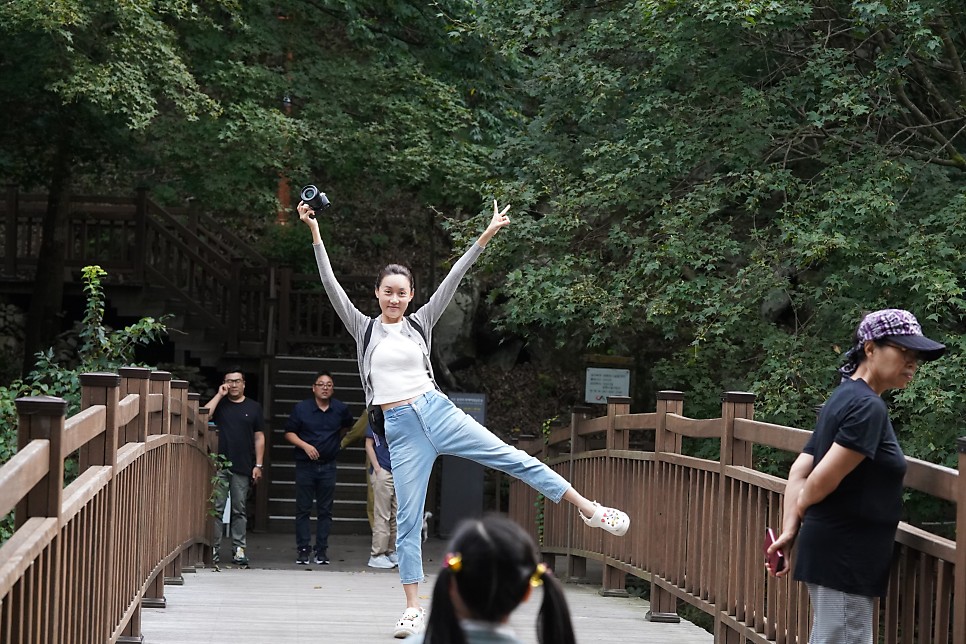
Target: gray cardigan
[356, 321]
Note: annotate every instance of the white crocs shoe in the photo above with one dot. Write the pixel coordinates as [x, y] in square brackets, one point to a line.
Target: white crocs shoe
[413, 621]
[610, 519]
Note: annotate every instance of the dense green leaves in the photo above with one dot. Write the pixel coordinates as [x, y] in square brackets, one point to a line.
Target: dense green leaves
[717, 188]
[721, 189]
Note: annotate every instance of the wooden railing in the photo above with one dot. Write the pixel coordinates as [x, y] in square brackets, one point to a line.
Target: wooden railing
[697, 525]
[86, 557]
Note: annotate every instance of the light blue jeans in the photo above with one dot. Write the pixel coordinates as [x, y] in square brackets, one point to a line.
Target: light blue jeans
[431, 426]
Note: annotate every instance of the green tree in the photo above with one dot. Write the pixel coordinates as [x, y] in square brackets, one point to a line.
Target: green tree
[721, 189]
[393, 107]
[78, 82]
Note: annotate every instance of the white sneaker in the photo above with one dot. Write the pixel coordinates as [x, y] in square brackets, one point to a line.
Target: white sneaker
[239, 557]
[380, 561]
[394, 558]
[413, 621]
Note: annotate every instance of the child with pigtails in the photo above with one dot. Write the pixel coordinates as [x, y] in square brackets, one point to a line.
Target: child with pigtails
[491, 568]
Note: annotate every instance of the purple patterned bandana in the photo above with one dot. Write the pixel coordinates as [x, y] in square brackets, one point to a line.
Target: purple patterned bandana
[898, 326]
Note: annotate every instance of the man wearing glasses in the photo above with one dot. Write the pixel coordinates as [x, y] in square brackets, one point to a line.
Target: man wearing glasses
[241, 441]
[315, 428]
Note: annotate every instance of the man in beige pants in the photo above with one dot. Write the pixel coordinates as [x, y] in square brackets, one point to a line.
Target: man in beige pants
[383, 552]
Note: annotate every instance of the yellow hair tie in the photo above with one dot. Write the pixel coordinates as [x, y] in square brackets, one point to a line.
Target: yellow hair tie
[454, 562]
[536, 579]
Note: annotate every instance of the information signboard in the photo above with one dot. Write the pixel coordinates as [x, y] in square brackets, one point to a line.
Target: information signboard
[601, 383]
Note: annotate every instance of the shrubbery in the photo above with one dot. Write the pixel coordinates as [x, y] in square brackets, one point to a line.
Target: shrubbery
[99, 349]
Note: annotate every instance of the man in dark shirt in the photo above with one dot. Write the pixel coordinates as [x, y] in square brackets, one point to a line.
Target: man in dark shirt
[315, 428]
[241, 441]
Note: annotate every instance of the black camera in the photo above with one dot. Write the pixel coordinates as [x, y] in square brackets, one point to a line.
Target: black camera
[315, 199]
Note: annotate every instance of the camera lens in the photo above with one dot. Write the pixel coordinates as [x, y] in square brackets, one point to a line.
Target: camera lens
[315, 199]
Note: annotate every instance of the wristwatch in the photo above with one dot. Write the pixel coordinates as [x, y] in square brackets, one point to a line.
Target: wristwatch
[259, 465]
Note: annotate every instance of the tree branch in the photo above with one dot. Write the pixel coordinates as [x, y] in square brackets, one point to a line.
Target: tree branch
[959, 76]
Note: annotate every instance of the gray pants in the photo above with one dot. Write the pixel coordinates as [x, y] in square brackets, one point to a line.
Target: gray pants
[238, 486]
[840, 618]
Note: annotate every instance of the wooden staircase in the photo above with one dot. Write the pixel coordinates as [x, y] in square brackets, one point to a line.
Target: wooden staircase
[230, 305]
[291, 379]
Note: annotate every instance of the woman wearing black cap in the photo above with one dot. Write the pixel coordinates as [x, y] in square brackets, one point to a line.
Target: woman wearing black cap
[844, 494]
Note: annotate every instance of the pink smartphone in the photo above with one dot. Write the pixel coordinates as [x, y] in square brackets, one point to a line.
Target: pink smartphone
[776, 559]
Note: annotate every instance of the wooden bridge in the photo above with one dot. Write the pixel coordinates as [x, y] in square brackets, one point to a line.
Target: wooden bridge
[87, 558]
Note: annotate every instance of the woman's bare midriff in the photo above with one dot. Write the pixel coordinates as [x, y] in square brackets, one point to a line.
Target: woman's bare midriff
[388, 406]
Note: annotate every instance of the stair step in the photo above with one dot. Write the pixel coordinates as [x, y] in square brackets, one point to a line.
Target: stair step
[291, 378]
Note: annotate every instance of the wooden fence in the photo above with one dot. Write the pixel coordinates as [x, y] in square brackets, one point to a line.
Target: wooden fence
[86, 557]
[697, 525]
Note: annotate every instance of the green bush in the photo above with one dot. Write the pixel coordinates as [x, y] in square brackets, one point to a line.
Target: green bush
[100, 348]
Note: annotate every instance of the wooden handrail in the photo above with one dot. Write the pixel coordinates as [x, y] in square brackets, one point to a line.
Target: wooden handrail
[697, 524]
[85, 558]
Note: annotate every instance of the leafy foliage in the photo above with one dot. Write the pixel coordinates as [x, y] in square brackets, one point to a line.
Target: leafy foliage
[716, 188]
[721, 190]
[102, 349]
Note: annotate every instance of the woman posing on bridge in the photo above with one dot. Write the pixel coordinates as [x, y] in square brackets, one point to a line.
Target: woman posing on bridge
[420, 422]
[845, 489]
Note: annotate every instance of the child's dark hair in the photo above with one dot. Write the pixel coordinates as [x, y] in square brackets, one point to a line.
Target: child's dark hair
[394, 269]
[492, 563]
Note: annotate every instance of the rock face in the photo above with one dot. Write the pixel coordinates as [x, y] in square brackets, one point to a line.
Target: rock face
[453, 334]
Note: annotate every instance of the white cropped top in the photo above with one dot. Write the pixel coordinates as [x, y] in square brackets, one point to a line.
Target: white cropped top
[398, 369]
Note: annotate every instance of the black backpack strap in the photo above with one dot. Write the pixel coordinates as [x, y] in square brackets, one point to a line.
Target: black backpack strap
[418, 327]
[368, 336]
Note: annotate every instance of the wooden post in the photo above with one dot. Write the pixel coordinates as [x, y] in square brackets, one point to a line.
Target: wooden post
[284, 308]
[233, 320]
[959, 592]
[160, 383]
[613, 580]
[134, 380]
[576, 565]
[179, 404]
[10, 237]
[161, 540]
[196, 431]
[663, 604]
[734, 452]
[178, 523]
[103, 389]
[140, 233]
[43, 418]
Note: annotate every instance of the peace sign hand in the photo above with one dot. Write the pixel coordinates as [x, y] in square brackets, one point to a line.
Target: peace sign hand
[499, 218]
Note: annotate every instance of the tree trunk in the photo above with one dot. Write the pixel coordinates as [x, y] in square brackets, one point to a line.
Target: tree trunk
[45, 318]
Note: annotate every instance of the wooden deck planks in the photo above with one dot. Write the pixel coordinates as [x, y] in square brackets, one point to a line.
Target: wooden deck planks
[312, 606]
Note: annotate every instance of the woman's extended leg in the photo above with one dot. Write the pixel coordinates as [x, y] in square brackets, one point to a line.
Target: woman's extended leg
[452, 431]
[412, 463]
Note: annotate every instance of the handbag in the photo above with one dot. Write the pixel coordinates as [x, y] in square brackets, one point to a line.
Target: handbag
[377, 420]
